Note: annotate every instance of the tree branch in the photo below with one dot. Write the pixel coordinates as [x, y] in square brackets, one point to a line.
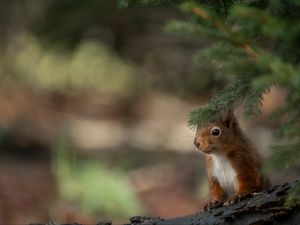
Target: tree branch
[225, 29]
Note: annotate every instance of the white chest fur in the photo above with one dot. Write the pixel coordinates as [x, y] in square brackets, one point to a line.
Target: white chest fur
[225, 174]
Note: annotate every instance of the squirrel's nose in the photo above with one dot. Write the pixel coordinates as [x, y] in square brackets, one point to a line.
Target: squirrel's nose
[196, 142]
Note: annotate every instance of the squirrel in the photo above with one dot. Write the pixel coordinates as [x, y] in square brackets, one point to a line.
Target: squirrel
[233, 163]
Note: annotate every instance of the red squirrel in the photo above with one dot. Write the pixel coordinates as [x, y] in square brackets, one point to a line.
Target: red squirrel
[233, 163]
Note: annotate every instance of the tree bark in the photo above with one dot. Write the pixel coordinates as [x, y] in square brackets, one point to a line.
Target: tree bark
[263, 208]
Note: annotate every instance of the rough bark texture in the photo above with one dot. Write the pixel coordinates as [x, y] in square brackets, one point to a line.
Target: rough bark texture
[262, 208]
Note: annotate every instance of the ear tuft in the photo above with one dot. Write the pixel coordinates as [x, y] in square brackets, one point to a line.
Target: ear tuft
[228, 119]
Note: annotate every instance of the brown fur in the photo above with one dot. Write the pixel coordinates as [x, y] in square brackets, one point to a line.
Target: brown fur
[241, 154]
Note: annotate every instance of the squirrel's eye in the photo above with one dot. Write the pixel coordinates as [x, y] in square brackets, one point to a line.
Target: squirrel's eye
[215, 131]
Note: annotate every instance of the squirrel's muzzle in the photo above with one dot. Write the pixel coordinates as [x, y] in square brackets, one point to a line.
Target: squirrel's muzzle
[196, 142]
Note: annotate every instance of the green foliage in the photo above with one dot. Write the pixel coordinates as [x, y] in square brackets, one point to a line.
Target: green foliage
[91, 66]
[251, 67]
[92, 187]
[191, 29]
[231, 95]
[294, 196]
[240, 53]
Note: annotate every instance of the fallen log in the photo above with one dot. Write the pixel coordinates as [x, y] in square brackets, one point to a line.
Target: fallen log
[263, 208]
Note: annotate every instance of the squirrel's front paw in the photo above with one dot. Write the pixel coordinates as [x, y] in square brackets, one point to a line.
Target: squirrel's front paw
[236, 198]
[212, 204]
[232, 200]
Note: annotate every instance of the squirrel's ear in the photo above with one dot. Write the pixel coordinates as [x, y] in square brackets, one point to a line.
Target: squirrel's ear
[228, 119]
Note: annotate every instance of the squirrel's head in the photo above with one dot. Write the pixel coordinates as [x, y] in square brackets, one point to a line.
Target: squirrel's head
[217, 136]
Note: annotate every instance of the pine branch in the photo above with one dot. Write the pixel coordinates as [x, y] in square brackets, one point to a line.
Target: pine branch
[231, 95]
[201, 12]
[253, 103]
[192, 29]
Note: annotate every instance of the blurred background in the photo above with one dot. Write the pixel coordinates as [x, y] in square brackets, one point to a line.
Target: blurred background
[94, 101]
